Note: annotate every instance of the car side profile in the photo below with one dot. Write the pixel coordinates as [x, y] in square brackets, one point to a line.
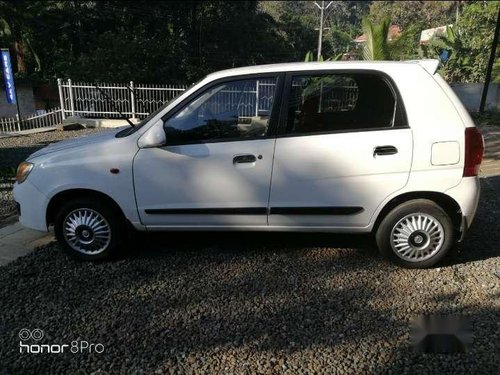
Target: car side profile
[354, 147]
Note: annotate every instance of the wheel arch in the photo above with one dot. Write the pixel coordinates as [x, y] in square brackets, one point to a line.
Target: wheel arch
[447, 203]
[58, 200]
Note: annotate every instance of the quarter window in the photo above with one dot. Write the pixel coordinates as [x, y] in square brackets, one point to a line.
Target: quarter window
[228, 111]
[339, 102]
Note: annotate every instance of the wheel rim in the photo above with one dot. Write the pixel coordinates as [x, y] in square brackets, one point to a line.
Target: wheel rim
[417, 237]
[86, 231]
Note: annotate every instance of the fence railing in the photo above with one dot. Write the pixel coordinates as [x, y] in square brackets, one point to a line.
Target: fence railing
[134, 100]
[51, 118]
[139, 100]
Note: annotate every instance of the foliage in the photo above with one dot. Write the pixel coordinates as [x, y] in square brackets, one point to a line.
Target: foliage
[402, 13]
[377, 45]
[406, 46]
[458, 64]
[180, 41]
[344, 19]
[477, 26]
[140, 40]
[423, 14]
[310, 57]
[469, 44]
[17, 34]
[495, 77]
[486, 118]
[298, 21]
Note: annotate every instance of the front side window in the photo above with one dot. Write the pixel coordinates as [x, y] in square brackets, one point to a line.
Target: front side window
[232, 110]
[339, 102]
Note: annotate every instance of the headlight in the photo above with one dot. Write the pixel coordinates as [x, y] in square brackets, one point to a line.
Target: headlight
[23, 171]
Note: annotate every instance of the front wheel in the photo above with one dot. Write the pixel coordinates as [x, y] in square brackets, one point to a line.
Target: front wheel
[89, 229]
[416, 234]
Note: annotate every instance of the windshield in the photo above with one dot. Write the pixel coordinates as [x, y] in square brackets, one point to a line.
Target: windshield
[144, 121]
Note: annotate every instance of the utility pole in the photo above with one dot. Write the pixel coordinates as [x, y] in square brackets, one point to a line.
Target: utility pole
[322, 8]
[490, 65]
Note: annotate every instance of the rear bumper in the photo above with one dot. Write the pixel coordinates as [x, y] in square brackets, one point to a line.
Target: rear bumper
[466, 194]
[31, 205]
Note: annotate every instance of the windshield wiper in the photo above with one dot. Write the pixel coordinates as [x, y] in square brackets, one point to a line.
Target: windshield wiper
[114, 106]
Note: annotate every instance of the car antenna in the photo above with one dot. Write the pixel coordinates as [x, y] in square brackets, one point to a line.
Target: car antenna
[113, 104]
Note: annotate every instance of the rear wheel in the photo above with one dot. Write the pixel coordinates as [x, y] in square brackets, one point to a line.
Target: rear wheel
[416, 234]
[89, 229]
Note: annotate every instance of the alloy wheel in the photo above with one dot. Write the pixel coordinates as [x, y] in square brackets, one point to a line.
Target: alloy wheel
[417, 237]
[86, 231]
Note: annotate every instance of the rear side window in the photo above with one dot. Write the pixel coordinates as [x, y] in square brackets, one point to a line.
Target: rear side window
[340, 102]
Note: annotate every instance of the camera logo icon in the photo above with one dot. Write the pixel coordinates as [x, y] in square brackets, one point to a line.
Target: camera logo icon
[25, 334]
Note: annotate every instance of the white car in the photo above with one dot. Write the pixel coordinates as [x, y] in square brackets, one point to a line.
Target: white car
[381, 147]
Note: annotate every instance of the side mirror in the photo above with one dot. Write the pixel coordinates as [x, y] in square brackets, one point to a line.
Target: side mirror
[154, 137]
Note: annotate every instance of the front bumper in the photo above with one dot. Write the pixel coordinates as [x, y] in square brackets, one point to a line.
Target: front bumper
[32, 206]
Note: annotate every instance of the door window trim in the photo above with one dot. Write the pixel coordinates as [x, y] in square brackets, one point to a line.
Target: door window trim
[400, 112]
[273, 119]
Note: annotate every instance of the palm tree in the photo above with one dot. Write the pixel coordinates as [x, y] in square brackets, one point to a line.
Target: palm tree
[377, 45]
[310, 57]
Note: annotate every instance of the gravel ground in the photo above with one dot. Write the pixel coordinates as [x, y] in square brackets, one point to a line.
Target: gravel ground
[7, 207]
[252, 303]
[14, 150]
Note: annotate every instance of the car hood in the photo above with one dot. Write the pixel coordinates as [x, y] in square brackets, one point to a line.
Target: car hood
[94, 139]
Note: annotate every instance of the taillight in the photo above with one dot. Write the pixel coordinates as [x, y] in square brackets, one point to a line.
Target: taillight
[474, 148]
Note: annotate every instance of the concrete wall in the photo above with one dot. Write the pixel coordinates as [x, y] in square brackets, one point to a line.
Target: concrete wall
[25, 98]
[470, 95]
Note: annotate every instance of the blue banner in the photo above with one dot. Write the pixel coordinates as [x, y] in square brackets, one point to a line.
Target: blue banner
[8, 77]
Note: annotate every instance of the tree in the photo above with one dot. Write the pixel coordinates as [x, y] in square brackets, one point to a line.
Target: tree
[430, 14]
[449, 48]
[298, 20]
[424, 14]
[138, 40]
[468, 43]
[477, 26]
[382, 44]
[376, 46]
[15, 32]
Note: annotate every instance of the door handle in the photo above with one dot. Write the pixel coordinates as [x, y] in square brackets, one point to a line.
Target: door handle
[246, 158]
[385, 150]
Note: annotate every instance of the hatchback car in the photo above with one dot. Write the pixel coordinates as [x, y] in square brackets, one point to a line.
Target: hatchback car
[381, 147]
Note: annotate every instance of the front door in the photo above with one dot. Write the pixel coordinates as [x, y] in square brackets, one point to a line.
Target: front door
[344, 148]
[216, 167]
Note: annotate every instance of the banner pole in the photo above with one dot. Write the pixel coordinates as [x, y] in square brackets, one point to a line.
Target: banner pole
[9, 75]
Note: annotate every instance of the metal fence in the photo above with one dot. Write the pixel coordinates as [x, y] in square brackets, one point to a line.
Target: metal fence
[253, 98]
[49, 119]
[139, 100]
[248, 98]
[134, 100]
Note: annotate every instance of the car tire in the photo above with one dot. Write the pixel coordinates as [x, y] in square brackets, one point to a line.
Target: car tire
[90, 229]
[416, 234]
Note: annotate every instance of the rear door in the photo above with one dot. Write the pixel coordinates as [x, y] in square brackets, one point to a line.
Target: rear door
[344, 147]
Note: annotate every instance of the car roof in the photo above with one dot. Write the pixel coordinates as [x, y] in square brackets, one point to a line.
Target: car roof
[430, 65]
